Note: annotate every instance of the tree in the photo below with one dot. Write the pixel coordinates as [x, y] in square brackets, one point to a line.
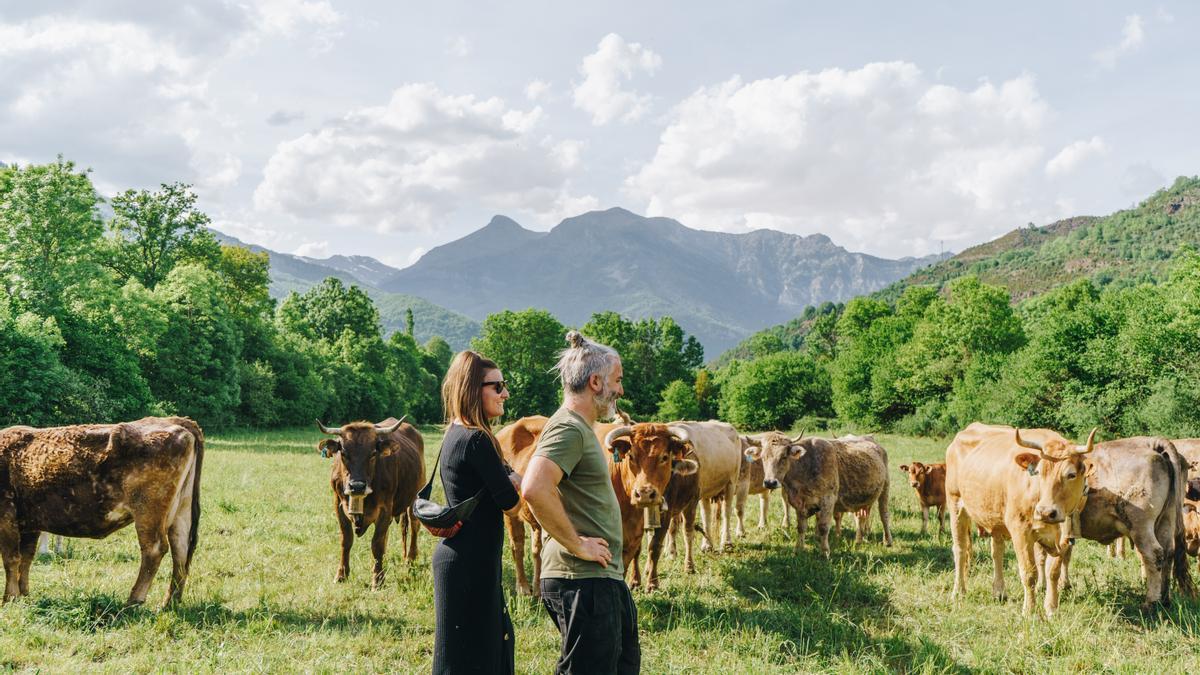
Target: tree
[678, 403]
[32, 377]
[436, 356]
[525, 345]
[49, 230]
[654, 353]
[151, 232]
[328, 309]
[774, 391]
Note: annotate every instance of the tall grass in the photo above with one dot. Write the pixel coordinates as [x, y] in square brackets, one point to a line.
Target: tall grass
[262, 597]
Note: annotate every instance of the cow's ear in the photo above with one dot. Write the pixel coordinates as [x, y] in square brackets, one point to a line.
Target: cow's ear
[621, 446]
[797, 451]
[329, 447]
[684, 467]
[1189, 507]
[904, 467]
[1193, 489]
[1025, 460]
[752, 453]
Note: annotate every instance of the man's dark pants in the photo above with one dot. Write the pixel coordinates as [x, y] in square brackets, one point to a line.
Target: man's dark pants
[598, 623]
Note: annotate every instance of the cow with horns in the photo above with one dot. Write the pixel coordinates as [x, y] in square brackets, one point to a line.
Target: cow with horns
[377, 471]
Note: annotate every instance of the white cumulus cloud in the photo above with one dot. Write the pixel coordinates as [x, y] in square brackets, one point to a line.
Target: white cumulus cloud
[886, 158]
[408, 164]
[1074, 155]
[313, 249]
[536, 89]
[1133, 34]
[606, 71]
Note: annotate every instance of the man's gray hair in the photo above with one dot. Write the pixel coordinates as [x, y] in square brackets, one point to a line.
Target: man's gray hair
[582, 359]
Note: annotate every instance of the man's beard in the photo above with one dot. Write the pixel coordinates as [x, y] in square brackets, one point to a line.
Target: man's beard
[606, 403]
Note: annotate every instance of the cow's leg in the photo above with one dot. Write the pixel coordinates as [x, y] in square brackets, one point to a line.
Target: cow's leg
[1023, 545]
[801, 527]
[765, 504]
[347, 531]
[885, 516]
[1039, 560]
[29, 544]
[152, 537]
[10, 551]
[410, 519]
[379, 549]
[837, 526]
[179, 533]
[740, 512]
[824, 517]
[787, 512]
[726, 516]
[516, 535]
[960, 531]
[862, 521]
[998, 591]
[656, 545]
[629, 557]
[924, 519]
[689, 537]
[1064, 583]
[535, 539]
[1053, 573]
[673, 534]
[706, 524]
[1154, 561]
[941, 516]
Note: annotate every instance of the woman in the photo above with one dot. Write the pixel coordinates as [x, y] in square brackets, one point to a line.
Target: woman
[474, 633]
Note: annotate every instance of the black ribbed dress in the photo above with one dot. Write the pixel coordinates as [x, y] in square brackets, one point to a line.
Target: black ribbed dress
[474, 633]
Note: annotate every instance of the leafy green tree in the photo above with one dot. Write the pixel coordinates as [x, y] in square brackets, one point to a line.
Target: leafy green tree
[32, 377]
[154, 231]
[678, 403]
[328, 309]
[774, 391]
[707, 394]
[436, 356]
[195, 371]
[525, 345]
[49, 230]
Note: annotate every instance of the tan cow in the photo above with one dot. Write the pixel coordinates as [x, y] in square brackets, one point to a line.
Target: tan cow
[826, 478]
[1135, 489]
[718, 449]
[1190, 449]
[1023, 490]
[750, 482]
[92, 480]
[517, 443]
[929, 480]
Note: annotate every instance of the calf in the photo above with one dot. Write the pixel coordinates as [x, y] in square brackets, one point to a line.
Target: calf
[377, 471]
[929, 480]
[92, 480]
[826, 478]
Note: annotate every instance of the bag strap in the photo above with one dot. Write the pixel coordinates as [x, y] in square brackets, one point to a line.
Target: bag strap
[428, 489]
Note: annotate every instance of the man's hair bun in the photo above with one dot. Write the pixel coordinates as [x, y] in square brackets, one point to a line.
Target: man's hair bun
[576, 339]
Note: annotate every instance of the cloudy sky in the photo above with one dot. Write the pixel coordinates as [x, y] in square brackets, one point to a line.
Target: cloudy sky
[388, 128]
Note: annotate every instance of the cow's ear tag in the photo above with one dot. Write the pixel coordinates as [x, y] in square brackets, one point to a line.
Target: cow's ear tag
[616, 457]
[1032, 469]
[324, 453]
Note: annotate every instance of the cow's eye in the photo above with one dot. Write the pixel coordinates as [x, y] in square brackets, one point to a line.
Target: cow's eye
[1071, 475]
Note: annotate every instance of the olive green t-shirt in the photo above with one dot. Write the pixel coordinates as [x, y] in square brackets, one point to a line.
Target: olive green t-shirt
[587, 496]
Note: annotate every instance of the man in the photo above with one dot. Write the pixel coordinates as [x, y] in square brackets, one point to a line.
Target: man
[568, 486]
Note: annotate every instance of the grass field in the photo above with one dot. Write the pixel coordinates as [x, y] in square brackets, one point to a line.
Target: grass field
[261, 597]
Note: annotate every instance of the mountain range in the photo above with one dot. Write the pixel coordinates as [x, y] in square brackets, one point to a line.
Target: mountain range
[720, 287]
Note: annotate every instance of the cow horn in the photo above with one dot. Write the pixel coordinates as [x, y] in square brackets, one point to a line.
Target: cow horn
[1032, 445]
[619, 432]
[680, 433]
[1091, 443]
[797, 439]
[387, 430]
[328, 430]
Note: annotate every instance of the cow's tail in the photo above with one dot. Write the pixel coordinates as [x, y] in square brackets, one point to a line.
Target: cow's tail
[1178, 476]
[194, 532]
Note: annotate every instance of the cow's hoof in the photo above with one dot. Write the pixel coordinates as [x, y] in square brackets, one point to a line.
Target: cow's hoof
[652, 586]
[690, 568]
[339, 577]
[1000, 596]
[524, 590]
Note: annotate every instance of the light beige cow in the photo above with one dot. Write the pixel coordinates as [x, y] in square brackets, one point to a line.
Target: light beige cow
[1026, 489]
[750, 482]
[718, 450]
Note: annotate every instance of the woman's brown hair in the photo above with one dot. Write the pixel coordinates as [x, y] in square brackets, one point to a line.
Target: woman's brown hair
[462, 392]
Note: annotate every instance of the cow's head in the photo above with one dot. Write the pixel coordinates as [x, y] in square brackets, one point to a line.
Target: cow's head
[1058, 465]
[776, 452]
[1191, 526]
[650, 453]
[916, 473]
[357, 446]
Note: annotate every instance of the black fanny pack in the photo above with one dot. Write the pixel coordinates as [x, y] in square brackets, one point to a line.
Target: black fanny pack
[437, 516]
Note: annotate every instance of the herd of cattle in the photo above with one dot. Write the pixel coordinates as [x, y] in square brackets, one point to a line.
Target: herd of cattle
[1032, 487]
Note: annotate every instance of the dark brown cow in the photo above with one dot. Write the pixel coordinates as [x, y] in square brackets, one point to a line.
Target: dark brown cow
[929, 480]
[92, 480]
[377, 472]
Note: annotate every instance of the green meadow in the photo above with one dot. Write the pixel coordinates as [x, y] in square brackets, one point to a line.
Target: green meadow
[262, 598]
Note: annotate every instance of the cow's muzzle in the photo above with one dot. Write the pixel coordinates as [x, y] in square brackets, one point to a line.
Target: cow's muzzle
[646, 496]
[770, 483]
[1050, 516]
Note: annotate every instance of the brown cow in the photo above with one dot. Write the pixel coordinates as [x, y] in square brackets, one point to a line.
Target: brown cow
[994, 479]
[378, 470]
[929, 480]
[750, 482]
[92, 480]
[827, 478]
[517, 443]
[1191, 520]
[682, 500]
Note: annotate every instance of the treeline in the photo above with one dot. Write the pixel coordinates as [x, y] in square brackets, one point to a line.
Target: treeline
[143, 312]
[1121, 357]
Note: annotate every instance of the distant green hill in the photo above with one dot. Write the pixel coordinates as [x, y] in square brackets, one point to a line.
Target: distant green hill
[1126, 247]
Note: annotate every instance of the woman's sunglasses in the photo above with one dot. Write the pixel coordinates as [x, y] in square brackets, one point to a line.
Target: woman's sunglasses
[498, 385]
